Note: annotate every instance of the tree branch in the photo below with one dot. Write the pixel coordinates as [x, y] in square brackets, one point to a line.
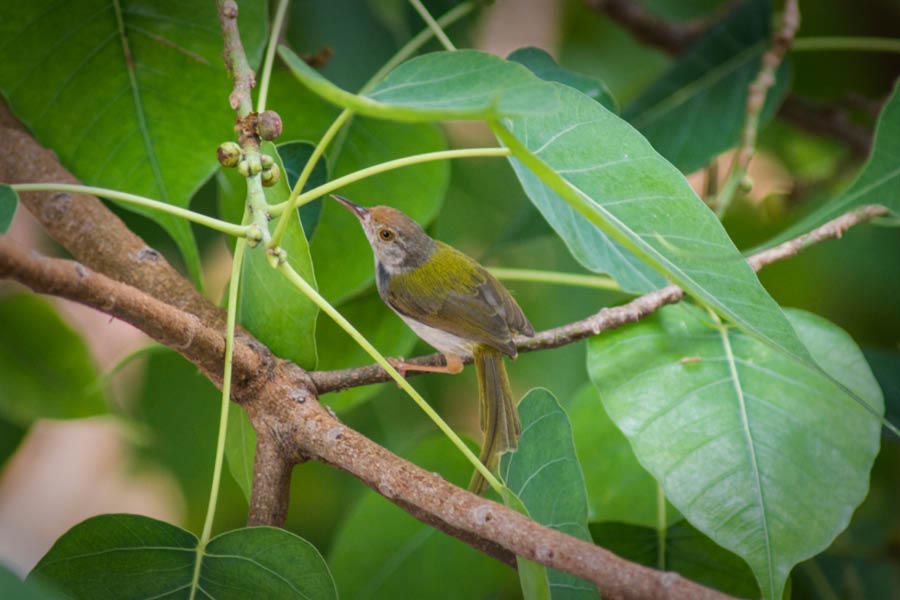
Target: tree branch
[607, 318]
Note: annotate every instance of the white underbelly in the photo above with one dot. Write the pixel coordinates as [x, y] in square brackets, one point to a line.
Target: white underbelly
[444, 342]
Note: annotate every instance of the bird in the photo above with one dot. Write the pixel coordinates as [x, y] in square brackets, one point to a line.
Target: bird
[456, 306]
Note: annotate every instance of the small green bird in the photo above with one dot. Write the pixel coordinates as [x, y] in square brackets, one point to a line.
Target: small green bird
[455, 305]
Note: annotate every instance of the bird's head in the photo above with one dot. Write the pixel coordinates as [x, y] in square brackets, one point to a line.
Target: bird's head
[398, 242]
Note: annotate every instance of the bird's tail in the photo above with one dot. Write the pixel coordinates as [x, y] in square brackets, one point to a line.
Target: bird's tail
[499, 419]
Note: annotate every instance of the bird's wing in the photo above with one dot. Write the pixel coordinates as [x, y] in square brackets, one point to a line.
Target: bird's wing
[455, 294]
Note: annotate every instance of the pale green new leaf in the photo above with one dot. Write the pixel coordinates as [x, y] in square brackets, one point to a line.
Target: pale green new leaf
[145, 120]
[131, 556]
[747, 444]
[544, 475]
[697, 109]
[594, 161]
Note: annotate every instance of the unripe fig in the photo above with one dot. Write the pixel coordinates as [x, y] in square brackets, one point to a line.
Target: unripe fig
[229, 154]
[269, 125]
[271, 176]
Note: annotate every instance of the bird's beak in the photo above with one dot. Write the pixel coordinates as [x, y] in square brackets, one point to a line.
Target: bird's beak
[360, 212]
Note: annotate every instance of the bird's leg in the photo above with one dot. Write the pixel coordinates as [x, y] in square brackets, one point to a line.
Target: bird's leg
[454, 365]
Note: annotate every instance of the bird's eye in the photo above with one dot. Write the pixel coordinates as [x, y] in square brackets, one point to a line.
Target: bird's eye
[386, 234]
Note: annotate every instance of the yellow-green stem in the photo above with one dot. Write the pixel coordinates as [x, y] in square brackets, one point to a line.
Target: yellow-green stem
[433, 25]
[344, 324]
[846, 43]
[226, 403]
[661, 528]
[195, 217]
[292, 201]
[277, 24]
[572, 279]
[406, 161]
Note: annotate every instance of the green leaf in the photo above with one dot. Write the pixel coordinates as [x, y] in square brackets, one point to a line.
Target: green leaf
[443, 85]
[619, 488]
[240, 449]
[46, 370]
[9, 201]
[697, 109]
[339, 247]
[382, 552]
[545, 475]
[131, 556]
[877, 183]
[146, 120]
[746, 444]
[534, 578]
[597, 163]
[337, 350]
[13, 587]
[294, 156]
[270, 307]
[179, 408]
[542, 64]
[684, 550]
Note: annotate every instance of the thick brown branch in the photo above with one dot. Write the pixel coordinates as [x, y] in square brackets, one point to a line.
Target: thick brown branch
[607, 318]
[90, 231]
[182, 331]
[271, 481]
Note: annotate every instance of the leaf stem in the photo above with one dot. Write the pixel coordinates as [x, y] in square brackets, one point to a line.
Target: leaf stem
[405, 52]
[277, 25]
[433, 25]
[406, 161]
[571, 279]
[293, 200]
[661, 528]
[225, 227]
[360, 339]
[849, 43]
[226, 403]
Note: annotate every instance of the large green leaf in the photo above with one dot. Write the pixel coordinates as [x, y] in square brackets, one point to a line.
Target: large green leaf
[681, 549]
[46, 370]
[542, 64]
[619, 488]
[877, 183]
[337, 350]
[9, 201]
[597, 163]
[382, 552]
[747, 444]
[339, 247]
[131, 556]
[270, 307]
[697, 108]
[130, 94]
[544, 474]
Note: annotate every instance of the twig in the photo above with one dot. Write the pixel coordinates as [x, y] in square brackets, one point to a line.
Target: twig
[674, 38]
[756, 99]
[236, 59]
[271, 493]
[651, 29]
[607, 318]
